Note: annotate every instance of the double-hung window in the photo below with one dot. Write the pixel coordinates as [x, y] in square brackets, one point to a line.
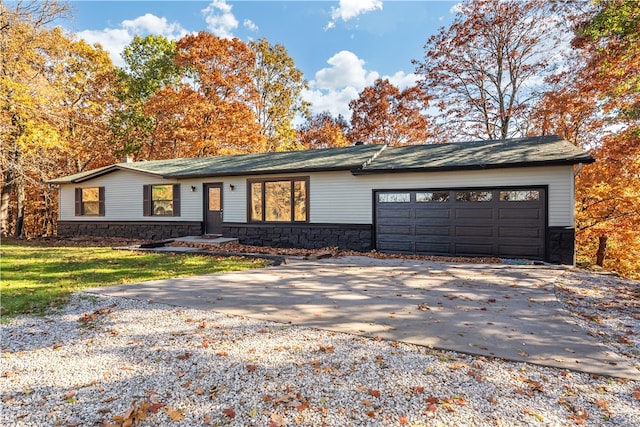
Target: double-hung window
[89, 201]
[278, 200]
[161, 200]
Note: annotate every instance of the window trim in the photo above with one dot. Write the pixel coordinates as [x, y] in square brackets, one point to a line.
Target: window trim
[147, 200]
[292, 180]
[79, 205]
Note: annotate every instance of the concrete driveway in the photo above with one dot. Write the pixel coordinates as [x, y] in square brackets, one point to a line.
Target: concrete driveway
[506, 311]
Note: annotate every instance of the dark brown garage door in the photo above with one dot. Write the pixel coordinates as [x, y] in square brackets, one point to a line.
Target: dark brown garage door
[480, 222]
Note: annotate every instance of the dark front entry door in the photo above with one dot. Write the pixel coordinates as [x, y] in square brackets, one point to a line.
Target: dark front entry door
[213, 208]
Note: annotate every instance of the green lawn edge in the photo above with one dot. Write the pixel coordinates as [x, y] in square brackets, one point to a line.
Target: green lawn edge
[38, 279]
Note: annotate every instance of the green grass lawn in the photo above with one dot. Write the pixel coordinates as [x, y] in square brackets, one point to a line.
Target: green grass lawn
[35, 279]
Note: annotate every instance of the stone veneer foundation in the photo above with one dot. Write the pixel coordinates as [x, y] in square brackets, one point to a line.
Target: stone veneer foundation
[560, 247]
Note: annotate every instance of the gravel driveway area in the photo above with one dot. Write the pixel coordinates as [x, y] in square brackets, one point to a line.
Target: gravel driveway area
[115, 361]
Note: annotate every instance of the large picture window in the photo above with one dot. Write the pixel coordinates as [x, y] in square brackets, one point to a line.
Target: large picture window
[162, 200]
[90, 201]
[278, 200]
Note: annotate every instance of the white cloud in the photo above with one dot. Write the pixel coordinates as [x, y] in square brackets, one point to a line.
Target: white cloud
[346, 70]
[250, 25]
[350, 9]
[219, 18]
[151, 24]
[335, 86]
[403, 80]
[114, 40]
[456, 8]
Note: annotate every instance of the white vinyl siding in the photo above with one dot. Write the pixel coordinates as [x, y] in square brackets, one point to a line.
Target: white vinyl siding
[339, 197]
[334, 197]
[123, 196]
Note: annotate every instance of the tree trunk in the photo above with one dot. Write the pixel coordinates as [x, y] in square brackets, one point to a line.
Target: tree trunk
[602, 250]
[20, 192]
[5, 199]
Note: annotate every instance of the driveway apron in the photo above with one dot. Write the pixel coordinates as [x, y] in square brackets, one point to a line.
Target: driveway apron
[495, 310]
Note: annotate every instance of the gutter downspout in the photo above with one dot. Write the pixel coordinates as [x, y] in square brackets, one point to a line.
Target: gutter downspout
[578, 169]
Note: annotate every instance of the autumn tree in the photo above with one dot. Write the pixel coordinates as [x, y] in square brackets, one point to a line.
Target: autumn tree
[607, 192]
[25, 45]
[323, 131]
[483, 70]
[279, 85]
[383, 114]
[150, 66]
[209, 112]
[81, 78]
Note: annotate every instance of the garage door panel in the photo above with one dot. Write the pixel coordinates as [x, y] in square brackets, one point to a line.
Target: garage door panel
[426, 231]
[469, 212]
[393, 213]
[443, 248]
[395, 246]
[519, 214]
[392, 230]
[438, 213]
[473, 231]
[507, 228]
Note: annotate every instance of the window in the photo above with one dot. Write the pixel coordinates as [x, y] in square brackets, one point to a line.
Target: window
[90, 201]
[279, 200]
[433, 196]
[473, 196]
[161, 200]
[519, 196]
[394, 197]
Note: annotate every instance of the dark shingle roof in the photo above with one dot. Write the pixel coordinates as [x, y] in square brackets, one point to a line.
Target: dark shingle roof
[346, 158]
[533, 151]
[363, 159]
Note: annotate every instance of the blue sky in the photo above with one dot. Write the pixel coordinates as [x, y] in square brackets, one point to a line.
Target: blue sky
[341, 46]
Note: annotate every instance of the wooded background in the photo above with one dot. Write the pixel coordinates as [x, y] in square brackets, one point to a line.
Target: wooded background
[502, 69]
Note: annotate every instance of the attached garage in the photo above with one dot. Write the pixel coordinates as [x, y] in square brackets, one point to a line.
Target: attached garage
[502, 222]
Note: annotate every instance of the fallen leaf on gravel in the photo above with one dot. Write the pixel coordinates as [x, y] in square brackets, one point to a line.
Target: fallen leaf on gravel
[277, 420]
[533, 414]
[184, 356]
[418, 389]
[403, 420]
[366, 402]
[374, 393]
[174, 414]
[155, 407]
[327, 349]
[229, 412]
[199, 391]
[214, 391]
[423, 307]
[251, 368]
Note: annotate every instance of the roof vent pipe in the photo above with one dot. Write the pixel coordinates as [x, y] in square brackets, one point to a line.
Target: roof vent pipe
[127, 159]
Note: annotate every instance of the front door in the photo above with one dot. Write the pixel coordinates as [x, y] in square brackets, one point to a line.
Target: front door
[213, 208]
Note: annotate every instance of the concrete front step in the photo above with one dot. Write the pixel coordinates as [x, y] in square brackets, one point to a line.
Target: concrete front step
[213, 240]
